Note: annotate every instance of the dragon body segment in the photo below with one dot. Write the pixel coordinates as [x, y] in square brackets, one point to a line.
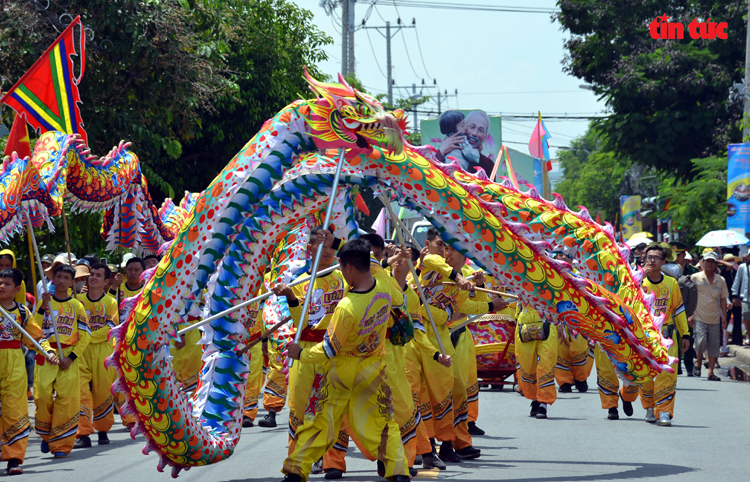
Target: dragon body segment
[269, 189]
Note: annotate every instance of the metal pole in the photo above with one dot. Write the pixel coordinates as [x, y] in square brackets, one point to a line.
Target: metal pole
[344, 37]
[388, 61]
[25, 333]
[67, 238]
[399, 227]
[264, 335]
[316, 262]
[44, 285]
[465, 322]
[252, 301]
[746, 114]
[439, 103]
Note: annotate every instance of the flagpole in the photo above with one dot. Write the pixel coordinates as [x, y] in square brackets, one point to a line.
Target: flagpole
[545, 174]
[67, 238]
[33, 272]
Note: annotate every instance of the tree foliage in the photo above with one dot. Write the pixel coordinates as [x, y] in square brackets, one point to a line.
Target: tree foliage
[187, 81]
[592, 177]
[667, 98]
[700, 205]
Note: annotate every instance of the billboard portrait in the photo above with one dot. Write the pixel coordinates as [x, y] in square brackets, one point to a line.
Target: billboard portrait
[471, 137]
[738, 188]
[631, 215]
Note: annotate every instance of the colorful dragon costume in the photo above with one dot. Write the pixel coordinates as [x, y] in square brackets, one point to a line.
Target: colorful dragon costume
[281, 177]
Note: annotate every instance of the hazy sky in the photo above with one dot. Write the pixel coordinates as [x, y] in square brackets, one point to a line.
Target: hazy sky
[499, 61]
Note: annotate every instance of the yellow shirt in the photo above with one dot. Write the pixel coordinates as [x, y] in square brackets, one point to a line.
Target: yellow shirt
[327, 292]
[102, 315]
[527, 314]
[9, 332]
[358, 327]
[72, 324]
[668, 301]
[446, 300]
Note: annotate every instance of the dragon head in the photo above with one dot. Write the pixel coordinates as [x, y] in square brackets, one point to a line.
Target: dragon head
[342, 117]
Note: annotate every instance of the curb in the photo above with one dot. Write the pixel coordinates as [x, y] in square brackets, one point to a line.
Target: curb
[740, 354]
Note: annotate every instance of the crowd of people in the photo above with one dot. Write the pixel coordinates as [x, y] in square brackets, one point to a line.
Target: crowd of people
[423, 386]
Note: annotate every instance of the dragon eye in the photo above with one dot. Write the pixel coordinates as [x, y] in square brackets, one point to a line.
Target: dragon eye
[348, 110]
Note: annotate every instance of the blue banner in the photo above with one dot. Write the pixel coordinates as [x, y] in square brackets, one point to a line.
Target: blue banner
[738, 188]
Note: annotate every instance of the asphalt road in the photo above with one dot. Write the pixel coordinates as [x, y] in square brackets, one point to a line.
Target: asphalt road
[708, 441]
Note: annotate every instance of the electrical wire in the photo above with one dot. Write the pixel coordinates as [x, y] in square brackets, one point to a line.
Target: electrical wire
[375, 57]
[420, 53]
[524, 92]
[475, 7]
[403, 37]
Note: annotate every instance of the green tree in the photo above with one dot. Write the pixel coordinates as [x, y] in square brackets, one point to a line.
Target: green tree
[592, 177]
[667, 98]
[699, 205]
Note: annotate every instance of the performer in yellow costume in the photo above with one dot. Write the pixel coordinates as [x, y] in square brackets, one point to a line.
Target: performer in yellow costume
[574, 364]
[327, 292]
[445, 300]
[657, 395]
[253, 317]
[14, 418]
[97, 402]
[536, 356]
[609, 384]
[355, 376]
[187, 355]
[8, 260]
[57, 389]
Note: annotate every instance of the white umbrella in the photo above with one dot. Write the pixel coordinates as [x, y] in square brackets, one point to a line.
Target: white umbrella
[724, 237]
[633, 242]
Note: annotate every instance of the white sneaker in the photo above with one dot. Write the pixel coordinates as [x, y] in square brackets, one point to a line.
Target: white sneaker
[650, 418]
[665, 420]
[317, 467]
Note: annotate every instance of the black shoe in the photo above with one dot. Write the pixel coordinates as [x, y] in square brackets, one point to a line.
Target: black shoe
[82, 443]
[690, 373]
[474, 430]
[401, 478]
[534, 408]
[292, 478]
[247, 422]
[418, 460]
[432, 461]
[468, 453]
[381, 469]
[582, 386]
[269, 421]
[541, 413]
[705, 364]
[627, 407]
[613, 414]
[333, 474]
[565, 388]
[103, 439]
[413, 472]
[14, 467]
[447, 454]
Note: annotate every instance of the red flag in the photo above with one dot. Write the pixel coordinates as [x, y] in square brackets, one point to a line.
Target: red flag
[48, 92]
[18, 140]
[361, 206]
[598, 219]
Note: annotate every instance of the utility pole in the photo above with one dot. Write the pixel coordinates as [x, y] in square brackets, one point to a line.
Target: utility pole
[388, 36]
[344, 37]
[388, 61]
[442, 97]
[414, 96]
[350, 41]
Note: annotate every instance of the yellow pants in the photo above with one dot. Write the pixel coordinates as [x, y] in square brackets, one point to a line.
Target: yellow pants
[187, 362]
[608, 383]
[254, 382]
[57, 395]
[573, 362]
[97, 402]
[274, 394]
[413, 365]
[466, 359]
[14, 419]
[360, 391]
[438, 390]
[536, 367]
[659, 392]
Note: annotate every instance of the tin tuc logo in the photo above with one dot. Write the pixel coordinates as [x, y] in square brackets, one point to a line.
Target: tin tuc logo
[661, 28]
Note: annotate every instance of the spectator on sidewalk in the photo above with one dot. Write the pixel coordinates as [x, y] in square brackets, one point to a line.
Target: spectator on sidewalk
[740, 288]
[710, 312]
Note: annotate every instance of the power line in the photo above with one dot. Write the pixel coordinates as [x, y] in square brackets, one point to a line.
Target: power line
[474, 7]
[403, 37]
[373, 54]
[524, 92]
[421, 56]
